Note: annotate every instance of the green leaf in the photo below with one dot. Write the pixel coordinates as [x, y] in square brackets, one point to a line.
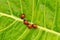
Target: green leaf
[44, 13]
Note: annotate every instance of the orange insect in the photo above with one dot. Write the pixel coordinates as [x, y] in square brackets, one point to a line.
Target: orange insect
[34, 26]
[29, 25]
[22, 16]
[26, 22]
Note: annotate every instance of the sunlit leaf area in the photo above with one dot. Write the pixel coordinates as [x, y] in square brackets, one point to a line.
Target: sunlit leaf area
[44, 13]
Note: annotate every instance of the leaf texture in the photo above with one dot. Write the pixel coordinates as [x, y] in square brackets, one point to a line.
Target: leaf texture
[44, 13]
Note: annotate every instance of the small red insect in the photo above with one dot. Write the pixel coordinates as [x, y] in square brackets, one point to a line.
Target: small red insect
[29, 25]
[26, 22]
[34, 26]
[22, 16]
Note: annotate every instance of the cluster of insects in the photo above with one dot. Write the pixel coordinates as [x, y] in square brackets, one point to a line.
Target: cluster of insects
[29, 25]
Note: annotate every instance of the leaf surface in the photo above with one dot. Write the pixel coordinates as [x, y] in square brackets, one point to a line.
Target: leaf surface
[44, 13]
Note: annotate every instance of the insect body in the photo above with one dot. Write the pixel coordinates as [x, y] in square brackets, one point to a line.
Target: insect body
[34, 26]
[26, 22]
[22, 16]
[29, 25]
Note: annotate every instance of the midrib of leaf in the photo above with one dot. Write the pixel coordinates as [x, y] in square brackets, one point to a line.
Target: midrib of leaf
[39, 27]
[14, 17]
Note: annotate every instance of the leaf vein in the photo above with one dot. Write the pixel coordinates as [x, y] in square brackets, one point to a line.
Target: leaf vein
[39, 27]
